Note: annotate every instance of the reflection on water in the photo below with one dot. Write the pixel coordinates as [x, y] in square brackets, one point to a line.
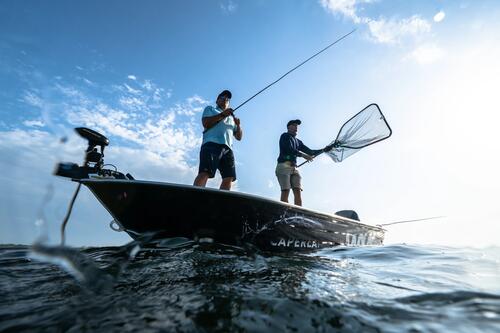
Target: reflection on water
[179, 285]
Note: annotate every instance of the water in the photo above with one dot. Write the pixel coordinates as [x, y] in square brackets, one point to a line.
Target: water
[178, 286]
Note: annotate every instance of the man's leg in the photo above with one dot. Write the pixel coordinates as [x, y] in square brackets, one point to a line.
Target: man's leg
[201, 179]
[208, 163]
[283, 174]
[284, 195]
[297, 196]
[226, 183]
[295, 180]
[227, 168]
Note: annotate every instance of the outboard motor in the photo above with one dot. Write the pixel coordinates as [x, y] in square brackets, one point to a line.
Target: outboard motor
[94, 159]
[350, 214]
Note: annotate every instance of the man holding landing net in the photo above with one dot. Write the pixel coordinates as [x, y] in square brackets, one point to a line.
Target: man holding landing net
[286, 170]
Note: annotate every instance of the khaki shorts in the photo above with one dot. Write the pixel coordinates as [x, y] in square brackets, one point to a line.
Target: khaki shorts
[288, 176]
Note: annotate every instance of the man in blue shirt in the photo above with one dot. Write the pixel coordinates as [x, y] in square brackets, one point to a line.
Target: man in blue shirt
[216, 152]
[286, 171]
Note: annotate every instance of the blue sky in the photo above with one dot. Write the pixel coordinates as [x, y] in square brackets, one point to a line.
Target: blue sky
[142, 72]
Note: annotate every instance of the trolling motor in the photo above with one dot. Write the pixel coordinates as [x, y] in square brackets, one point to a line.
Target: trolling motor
[93, 164]
[94, 159]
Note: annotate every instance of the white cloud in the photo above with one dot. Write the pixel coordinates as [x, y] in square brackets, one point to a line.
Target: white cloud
[103, 118]
[228, 6]
[405, 32]
[168, 94]
[193, 105]
[382, 30]
[131, 90]
[132, 77]
[134, 114]
[145, 95]
[393, 31]
[426, 54]
[69, 91]
[32, 99]
[344, 7]
[33, 123]
[439, 16]
[24, 138]
[87, 81]
[131, 102]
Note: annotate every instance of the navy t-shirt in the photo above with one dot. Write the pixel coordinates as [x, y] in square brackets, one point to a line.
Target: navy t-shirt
[290, 147]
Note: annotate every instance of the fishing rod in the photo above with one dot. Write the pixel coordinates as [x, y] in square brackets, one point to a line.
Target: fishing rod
[302, 63]
[409, 221]
[282, 76]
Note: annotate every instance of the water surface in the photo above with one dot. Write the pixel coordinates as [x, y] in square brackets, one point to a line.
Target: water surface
[177, 286]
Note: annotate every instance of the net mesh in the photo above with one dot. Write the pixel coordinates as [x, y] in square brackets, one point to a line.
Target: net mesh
[366, 128]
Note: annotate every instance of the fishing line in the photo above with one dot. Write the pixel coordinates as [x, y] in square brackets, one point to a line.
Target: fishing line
[70, 208]
[282, 76]
[302, 63]
[409, 221]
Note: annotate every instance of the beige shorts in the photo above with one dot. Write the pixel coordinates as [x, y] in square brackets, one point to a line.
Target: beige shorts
[288, 176]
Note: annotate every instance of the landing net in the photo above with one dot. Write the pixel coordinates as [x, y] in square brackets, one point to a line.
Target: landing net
[367, 127]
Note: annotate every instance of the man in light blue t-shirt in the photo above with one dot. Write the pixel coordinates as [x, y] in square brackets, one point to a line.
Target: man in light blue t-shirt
[216, 152]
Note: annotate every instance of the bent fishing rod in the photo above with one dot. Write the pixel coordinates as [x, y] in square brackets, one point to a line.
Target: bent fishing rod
[282, 76]
[293, 69]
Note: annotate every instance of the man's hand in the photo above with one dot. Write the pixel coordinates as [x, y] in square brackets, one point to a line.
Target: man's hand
[309, 158]
[227, 112]
[238, 133]
[209, 122]
[328, 148]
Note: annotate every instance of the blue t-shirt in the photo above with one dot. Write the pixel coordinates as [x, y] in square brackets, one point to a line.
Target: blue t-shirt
[222, 133]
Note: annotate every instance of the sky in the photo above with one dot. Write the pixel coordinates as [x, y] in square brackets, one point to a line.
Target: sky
[142, 72]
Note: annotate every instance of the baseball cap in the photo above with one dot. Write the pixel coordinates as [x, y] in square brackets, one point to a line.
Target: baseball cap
[294, 121]
[226, 93]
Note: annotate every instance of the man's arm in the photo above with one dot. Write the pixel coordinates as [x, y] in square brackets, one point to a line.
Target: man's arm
[211, 121]
[238, 132]
[287, 147]
[312, 152]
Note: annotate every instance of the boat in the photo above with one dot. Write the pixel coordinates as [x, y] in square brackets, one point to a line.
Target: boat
[167, 210]
[174, 210]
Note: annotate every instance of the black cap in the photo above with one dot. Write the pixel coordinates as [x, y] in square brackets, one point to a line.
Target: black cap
[226, 93]
[295, 121]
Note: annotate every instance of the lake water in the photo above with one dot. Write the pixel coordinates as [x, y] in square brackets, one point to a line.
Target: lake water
[179, 286]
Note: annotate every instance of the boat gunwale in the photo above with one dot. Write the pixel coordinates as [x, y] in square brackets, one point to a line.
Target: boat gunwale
[228, 193]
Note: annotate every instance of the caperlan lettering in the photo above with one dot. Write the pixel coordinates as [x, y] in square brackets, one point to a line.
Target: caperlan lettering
[358, 239]
[295, 243]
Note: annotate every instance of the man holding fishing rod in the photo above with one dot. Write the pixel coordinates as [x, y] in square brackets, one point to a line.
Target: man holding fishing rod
[216, 152]
[221, 125]
[286, 171]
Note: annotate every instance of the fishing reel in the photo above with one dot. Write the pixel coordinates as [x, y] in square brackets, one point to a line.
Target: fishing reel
[94, 158]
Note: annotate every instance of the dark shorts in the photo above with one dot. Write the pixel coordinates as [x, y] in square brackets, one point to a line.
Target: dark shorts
[215, 156]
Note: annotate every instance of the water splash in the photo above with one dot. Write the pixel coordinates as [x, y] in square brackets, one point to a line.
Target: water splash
[79, 266]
